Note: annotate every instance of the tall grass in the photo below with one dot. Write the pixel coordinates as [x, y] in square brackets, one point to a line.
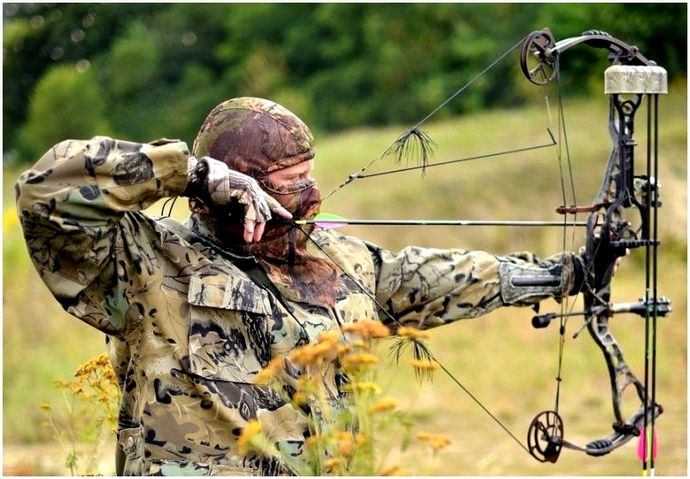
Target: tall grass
[500, 358]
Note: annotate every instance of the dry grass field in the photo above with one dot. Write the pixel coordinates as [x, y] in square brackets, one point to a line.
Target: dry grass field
[500, 358]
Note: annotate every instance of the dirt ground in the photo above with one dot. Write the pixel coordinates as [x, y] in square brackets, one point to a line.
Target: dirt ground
[48, 460]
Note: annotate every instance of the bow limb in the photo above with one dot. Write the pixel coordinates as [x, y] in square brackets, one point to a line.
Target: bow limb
[620, 51]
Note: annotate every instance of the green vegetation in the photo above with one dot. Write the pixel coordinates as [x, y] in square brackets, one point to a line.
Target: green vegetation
[159, 68]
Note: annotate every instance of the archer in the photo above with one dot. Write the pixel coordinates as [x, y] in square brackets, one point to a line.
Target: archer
[193, 311]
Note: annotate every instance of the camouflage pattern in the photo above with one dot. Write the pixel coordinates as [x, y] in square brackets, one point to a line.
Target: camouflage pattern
[254, 136]
[650, 80]
[187, 330]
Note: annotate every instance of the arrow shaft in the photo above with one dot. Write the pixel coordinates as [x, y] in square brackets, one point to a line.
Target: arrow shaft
[439, 222]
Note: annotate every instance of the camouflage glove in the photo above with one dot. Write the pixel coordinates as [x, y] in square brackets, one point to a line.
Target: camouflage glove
[213, 180]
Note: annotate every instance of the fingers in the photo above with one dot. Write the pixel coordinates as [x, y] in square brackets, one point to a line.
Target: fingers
[249, 230]
[259, 231]
[253, 231]
[258, 212]
[277, 208]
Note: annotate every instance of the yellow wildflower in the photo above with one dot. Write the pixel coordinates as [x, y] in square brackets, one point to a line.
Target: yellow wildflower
[334, 462]
[424, 364]
[346, 446]
[313, 353]
[364, 387]
[329, 337]
[250, 431]
[343, 348]
[312, 440]
[394, 470]
[368, 328]
[300, 398]
[272, 369]
[382, 405]
[414, 333]
[357, 359]
[436, 441]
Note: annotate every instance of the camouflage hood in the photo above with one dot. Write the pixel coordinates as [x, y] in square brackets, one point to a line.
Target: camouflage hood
[254, 136]
[257, 137]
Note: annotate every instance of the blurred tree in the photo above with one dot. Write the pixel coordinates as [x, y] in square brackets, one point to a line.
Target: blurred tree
[66, 103]
[133, 62]
[38, 36]
[190, 101]
[161, 66]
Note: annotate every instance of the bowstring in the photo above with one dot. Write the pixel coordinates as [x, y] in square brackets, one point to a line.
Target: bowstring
[563, 147]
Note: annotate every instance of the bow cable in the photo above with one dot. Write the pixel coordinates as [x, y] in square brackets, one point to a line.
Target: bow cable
[566, 308]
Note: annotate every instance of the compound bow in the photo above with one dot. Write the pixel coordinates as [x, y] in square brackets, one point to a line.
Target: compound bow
[609, 234]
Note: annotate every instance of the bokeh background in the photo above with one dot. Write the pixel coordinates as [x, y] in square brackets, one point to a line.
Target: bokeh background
[360, 74]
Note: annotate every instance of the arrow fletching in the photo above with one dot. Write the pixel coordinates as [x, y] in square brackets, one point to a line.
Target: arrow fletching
[646, 436]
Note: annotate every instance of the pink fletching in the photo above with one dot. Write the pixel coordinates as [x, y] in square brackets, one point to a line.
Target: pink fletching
[642, 445]
[329, 224]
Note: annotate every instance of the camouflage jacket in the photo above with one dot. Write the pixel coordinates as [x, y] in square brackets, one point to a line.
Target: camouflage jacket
[187, 329]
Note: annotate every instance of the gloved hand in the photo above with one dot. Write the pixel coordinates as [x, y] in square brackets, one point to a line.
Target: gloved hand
[213, 180]
[579, 266]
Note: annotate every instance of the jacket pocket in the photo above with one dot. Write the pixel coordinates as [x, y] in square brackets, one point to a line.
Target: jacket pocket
[130, 442]
[229, 335]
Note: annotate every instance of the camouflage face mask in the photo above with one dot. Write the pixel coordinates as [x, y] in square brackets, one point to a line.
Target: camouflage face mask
[301, 198]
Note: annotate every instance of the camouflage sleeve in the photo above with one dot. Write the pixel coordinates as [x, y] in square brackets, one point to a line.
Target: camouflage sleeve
[73, 202]
[425, 287]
